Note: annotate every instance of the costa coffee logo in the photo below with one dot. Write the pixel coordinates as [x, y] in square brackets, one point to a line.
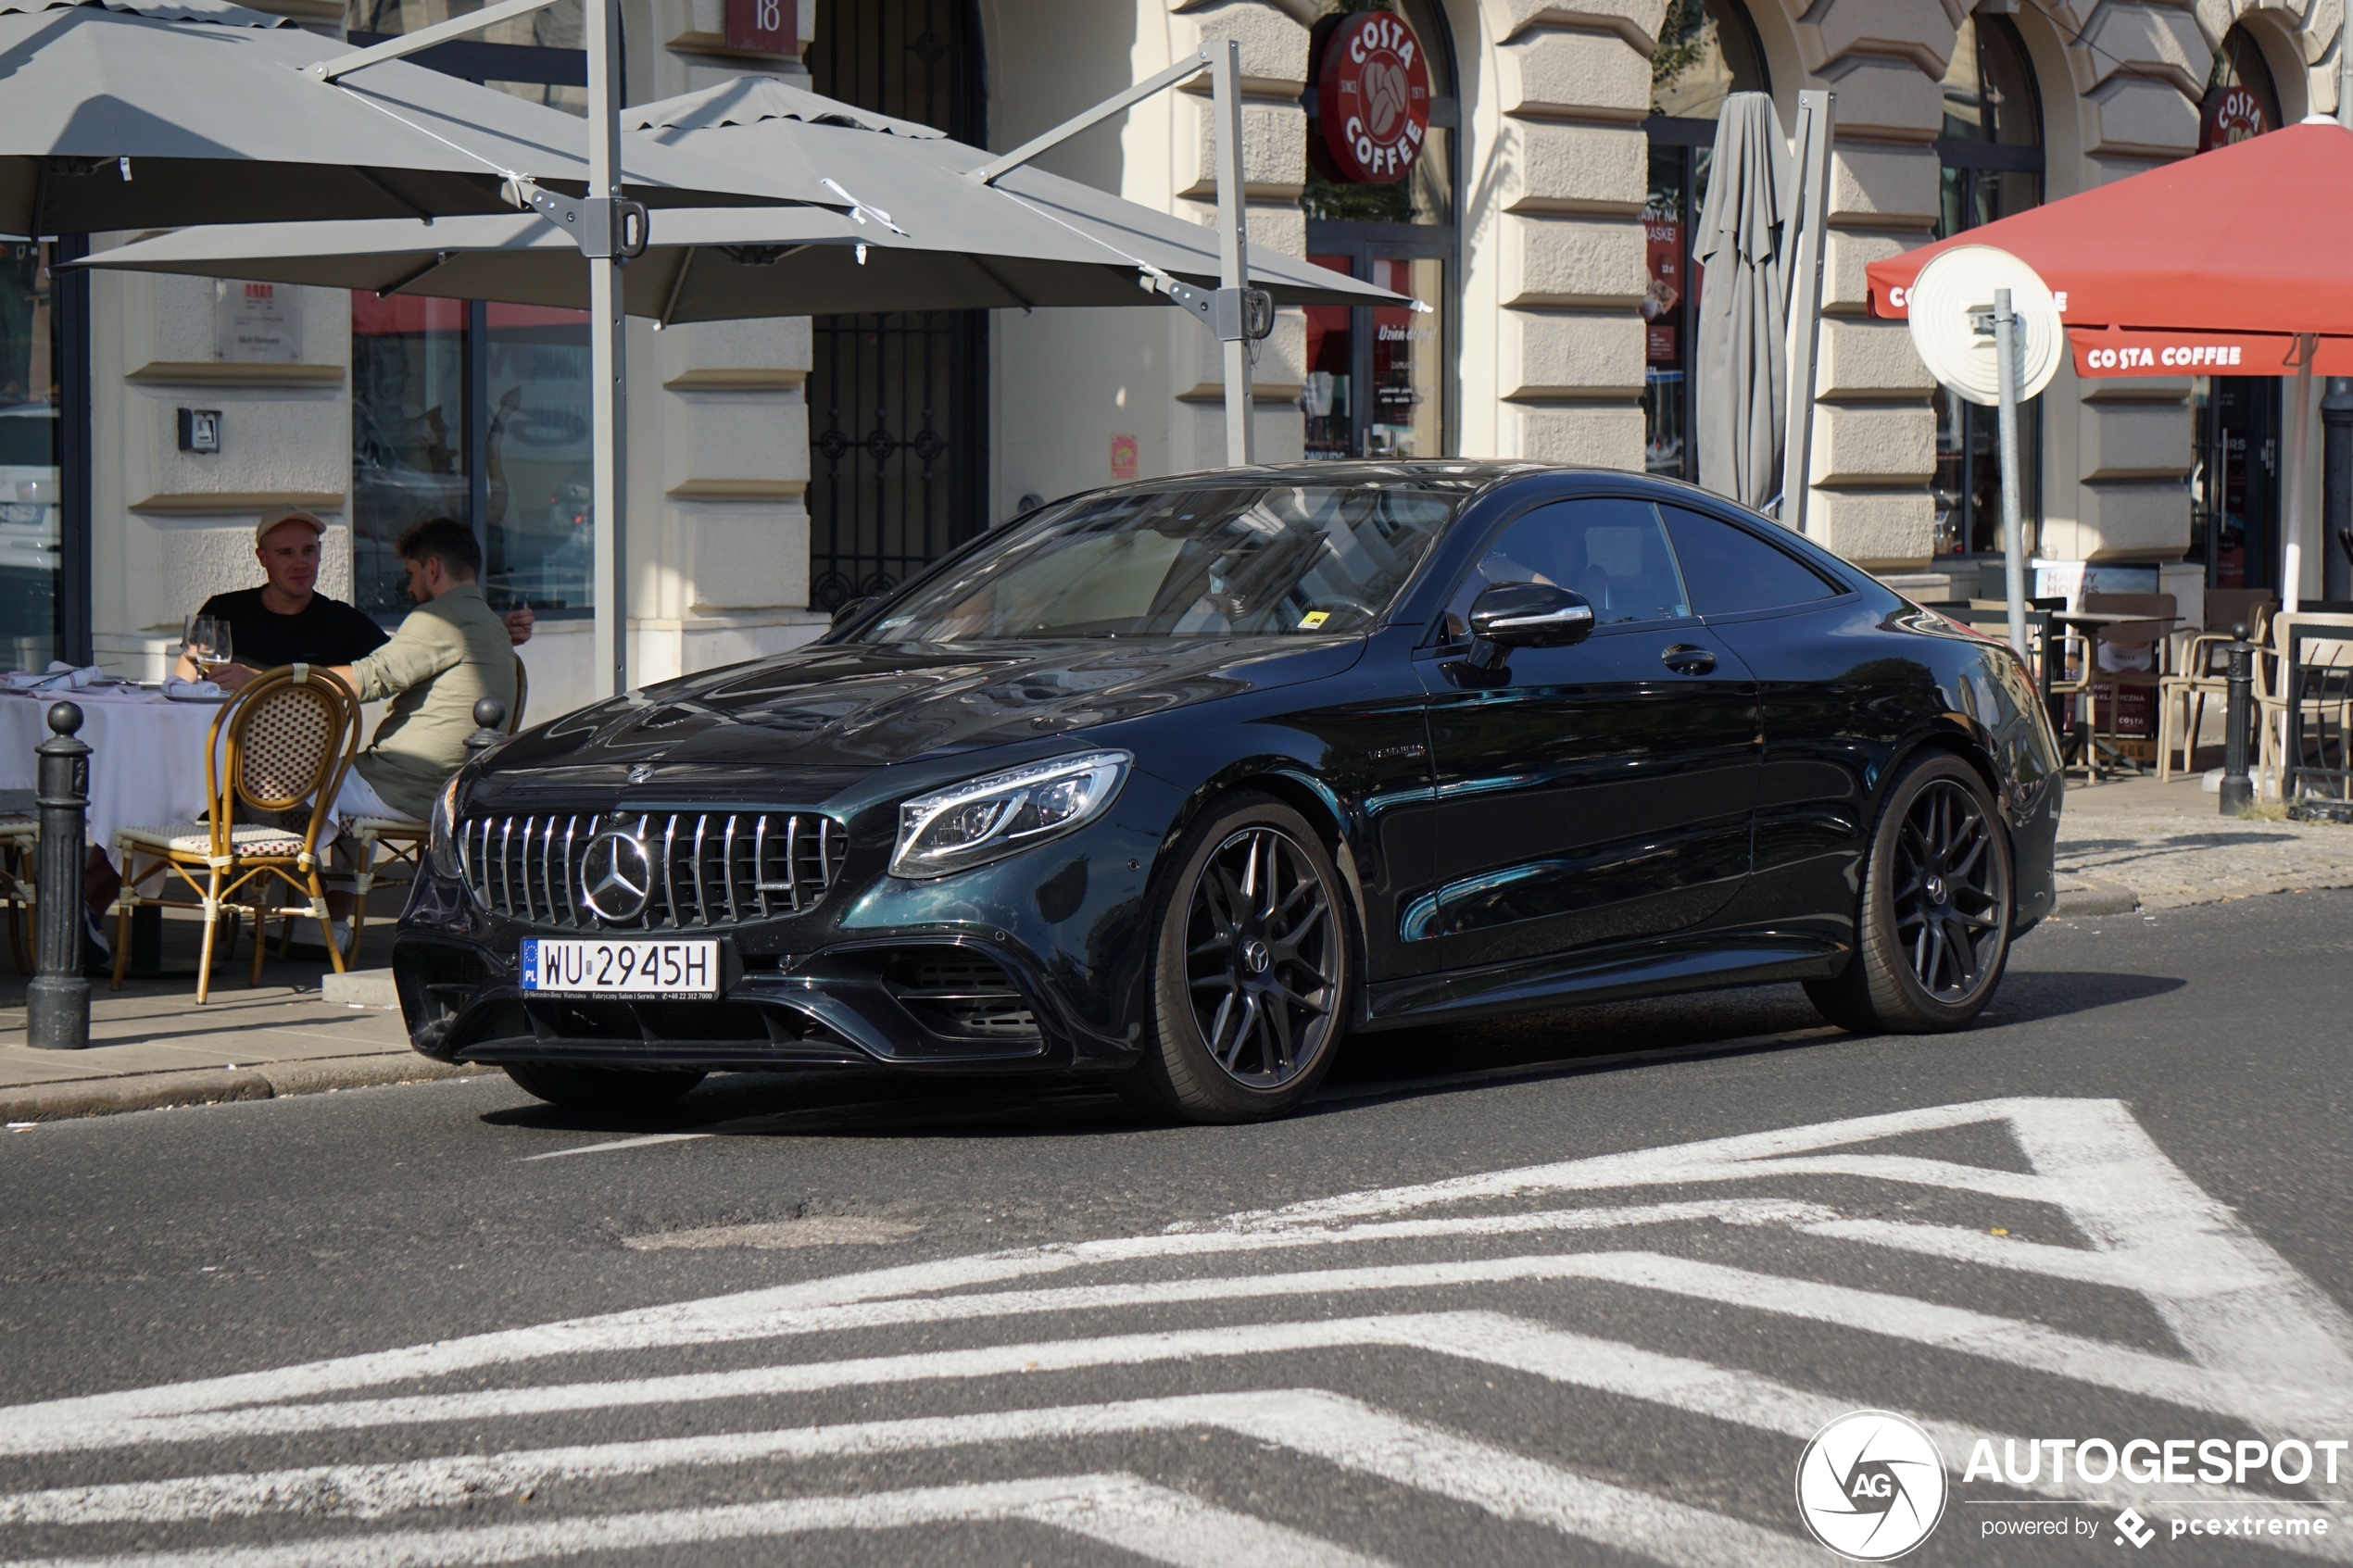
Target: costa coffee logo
[1373, 97]
[2237, 116]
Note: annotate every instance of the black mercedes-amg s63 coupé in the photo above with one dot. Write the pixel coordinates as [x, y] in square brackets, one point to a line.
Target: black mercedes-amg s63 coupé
[1189, 781]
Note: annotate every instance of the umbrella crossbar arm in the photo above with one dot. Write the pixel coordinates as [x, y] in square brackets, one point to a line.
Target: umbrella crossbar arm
[989, 173]
[425, 38]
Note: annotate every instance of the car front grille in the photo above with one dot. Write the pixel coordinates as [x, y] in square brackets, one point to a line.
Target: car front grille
[701, 869]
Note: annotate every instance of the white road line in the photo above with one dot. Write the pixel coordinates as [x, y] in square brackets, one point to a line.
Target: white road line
[1339, 1431]
[2271, 1328]
[608, 1147]
[1906, 1319]
[1120, 1511]
[115, 1420]
[1483, 1338]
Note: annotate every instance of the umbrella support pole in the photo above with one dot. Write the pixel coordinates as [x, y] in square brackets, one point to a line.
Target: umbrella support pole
[1237, 313]
[610, 229]
[608, 341]
[2005, 330]
[2299, 444]
[1814, 124]
[1233, 254]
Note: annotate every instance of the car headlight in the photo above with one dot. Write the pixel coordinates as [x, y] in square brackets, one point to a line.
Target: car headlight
[441, 839]
[987, 818]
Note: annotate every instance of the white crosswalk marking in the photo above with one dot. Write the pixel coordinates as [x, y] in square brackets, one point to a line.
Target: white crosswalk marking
[2256, 1347]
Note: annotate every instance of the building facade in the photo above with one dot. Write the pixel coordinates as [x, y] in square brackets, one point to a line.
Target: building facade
[780, 468]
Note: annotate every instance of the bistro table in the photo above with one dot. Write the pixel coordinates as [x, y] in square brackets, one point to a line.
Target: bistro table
[2081, 744]
[146, 753]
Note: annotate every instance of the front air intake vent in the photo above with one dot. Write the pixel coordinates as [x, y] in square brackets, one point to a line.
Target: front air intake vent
[659, 871]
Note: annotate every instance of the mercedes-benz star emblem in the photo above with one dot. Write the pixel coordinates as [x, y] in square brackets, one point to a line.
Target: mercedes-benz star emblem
[615, 877]
[641, 772]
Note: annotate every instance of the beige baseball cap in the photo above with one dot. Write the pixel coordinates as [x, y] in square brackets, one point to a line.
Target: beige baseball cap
[277, 515]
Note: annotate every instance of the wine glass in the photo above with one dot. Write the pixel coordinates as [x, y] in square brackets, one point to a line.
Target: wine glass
[206, 642]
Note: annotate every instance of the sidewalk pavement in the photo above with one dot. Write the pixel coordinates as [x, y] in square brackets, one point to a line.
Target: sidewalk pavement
[2125, 845]
[2167, 846]
[152, 1046]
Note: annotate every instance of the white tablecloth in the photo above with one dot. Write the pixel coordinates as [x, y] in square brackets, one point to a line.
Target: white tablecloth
[147, 755]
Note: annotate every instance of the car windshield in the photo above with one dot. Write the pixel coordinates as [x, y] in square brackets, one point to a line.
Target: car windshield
[1303, 560]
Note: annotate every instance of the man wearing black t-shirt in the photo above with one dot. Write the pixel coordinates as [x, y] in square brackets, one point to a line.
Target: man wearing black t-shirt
[284, 621]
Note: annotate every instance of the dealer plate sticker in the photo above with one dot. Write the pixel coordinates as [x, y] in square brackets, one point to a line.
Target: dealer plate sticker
[564, 967]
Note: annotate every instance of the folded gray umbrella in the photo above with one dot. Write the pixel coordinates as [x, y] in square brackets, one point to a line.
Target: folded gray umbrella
[1744, 304]
[120, 114]
[922, 236]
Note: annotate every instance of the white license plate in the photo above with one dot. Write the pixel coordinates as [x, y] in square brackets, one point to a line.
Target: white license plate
[564, 967]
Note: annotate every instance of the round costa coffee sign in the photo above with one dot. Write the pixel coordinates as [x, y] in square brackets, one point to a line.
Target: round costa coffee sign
[2237, 116]
[1373, 97]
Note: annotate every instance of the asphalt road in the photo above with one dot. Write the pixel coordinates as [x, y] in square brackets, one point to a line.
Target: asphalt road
[1576, 1289]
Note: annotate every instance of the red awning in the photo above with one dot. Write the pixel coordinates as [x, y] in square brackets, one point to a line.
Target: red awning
[2211, 265]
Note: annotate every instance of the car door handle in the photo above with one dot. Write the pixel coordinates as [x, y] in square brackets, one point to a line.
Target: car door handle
[1687, 659]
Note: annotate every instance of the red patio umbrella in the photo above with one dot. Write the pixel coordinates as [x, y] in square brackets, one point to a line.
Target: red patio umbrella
[2221, 264]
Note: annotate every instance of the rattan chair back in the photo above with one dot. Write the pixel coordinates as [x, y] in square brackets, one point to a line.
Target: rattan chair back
[291, 734]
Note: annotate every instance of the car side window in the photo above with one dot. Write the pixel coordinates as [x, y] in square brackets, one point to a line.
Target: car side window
[1729, 569]
[1609, 548]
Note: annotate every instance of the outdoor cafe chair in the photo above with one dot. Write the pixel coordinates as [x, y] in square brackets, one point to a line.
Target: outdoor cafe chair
[2205, 669]
[400, 841]
[2275, 700]
[20, 843]
[2151, 629]
[291, 734]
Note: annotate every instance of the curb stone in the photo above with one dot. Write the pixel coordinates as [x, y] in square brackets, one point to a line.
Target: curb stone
[213, 1086]
[2078, 899]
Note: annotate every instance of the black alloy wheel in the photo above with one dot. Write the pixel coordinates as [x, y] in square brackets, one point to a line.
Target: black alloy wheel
[1933, 925]
[1950, 891]
[1254, 967]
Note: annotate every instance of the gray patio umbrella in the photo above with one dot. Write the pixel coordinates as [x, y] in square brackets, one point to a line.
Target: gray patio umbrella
[137, 114]
[1742, 353]
[925, 238]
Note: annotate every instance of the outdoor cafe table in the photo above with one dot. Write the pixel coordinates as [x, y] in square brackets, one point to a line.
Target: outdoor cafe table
[2081, 743]
[146, 753]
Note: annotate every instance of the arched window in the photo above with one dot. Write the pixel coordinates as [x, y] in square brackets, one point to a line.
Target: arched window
[1708, 50]
[1991, 154]
[2234, 489]
[1379, 382]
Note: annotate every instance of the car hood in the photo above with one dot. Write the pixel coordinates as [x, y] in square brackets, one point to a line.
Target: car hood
[843, 711]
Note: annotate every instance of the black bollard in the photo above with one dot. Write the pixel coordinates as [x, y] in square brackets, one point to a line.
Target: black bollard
[490, 727]
[57, 1000]
[2238, 791]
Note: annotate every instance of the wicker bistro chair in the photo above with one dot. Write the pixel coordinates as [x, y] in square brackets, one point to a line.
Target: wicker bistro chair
[2275, 700]
[291, 734]
[378, 844]
[2205, 672]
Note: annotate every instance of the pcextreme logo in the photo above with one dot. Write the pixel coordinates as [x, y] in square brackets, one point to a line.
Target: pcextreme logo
[1870, 1485]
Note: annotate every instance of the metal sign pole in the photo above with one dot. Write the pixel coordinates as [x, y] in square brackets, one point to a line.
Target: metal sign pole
[608, 348]
[2006, 325]
[1804, 302]
[1225, 88]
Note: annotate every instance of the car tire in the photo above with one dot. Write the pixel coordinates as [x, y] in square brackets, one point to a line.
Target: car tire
[619, 1090]
[1254, 968]
[1932, 926]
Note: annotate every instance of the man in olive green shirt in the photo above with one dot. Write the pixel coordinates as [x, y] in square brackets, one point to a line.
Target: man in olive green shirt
[451, 651]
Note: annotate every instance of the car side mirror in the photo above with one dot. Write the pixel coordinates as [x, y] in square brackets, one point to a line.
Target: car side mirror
[1526, 615]
[851, 612]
